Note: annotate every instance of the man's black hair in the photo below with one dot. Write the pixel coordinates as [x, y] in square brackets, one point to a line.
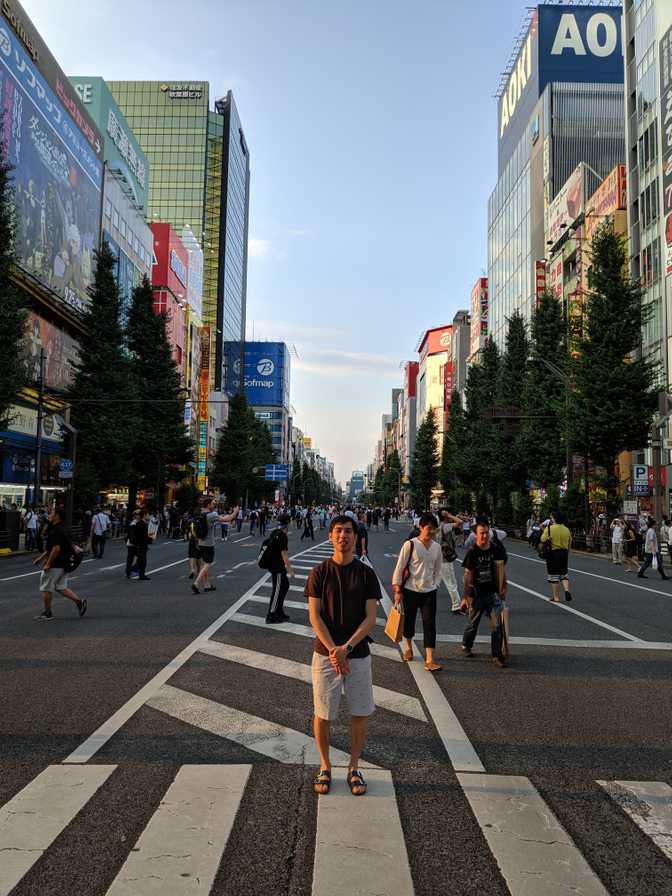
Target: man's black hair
[559, 517]
[428, 519]
[341, 520]
[482, 520]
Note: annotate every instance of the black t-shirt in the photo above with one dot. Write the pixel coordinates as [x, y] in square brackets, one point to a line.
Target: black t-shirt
[56, 535]
[362, 539]
[278, 542]
[482, 565]
[343, 592]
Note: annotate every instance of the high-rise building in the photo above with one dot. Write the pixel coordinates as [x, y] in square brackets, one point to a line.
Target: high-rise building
[648, 114]
[356, 486]
[125, 189]
[200, 180]
[560, 103]
[56, 151]
[408, 419]
[479, 318]
[435, 350]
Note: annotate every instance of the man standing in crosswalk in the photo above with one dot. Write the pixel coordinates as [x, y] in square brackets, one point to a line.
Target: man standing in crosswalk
[342, 594]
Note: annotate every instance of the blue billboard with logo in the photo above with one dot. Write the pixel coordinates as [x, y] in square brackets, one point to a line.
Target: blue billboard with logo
[569, 43]
[266, 372]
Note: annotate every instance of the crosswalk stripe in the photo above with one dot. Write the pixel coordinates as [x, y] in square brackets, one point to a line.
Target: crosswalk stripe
[301, 605]
[181, 848]
[31, 821]
[649, 805]
[360, 845]
[296, 588]
[534, 852]
[256, 734]
[384, 698]
[304, 631]
[567, 642]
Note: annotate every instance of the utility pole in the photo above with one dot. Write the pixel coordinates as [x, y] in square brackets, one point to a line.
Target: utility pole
[38, 437]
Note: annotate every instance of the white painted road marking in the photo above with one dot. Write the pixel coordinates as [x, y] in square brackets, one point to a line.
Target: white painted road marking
[534, 853]
[31, 821]
[180, 849]
[368, 853]
[108, 729]
[305, 631]
[461, 753]
[256, 734]
[300, 605]
[649, 805]
[384, 698]
[296, 588]
[37, 572]
[568, 642]
[595, 575]
[567, 609]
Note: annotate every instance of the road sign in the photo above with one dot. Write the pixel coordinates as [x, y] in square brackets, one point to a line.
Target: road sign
[630, 507]
[640, 488]
[640, 473]
[65, 468]
[276, 472]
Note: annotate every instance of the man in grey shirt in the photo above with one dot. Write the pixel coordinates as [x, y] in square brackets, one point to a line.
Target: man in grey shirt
[206, 543]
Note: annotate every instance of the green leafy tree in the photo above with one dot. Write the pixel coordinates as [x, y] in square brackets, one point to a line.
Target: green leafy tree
[425, 468]
[543, 432]
[103, 410]
[379, 486]
[513, 372]
[296, 483]
[615, 395]
[160, 437]
[453, 457]
[13, 312]
[392, 479]
[244, 445]
[485, 455]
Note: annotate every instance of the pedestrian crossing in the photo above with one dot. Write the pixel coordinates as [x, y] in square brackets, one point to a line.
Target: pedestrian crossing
[357, 845]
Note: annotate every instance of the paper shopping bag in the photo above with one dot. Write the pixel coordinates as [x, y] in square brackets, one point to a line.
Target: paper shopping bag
[504, 623]
[394, 628]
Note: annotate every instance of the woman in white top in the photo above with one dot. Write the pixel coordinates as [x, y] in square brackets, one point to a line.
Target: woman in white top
[415, 582]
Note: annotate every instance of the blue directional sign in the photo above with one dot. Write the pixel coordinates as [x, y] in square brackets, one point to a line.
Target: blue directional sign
[276, 472]
[65, 468]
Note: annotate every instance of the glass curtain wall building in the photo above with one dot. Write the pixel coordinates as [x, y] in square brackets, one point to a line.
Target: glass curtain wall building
[200, 180]
[560, 103]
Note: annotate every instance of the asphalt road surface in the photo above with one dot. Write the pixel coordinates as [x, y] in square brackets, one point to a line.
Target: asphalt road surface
[162, 743]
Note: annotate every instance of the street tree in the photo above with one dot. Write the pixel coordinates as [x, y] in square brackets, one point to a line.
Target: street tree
[160, 438]
[543, 431]
[392, 479]
[453, 457]
[379, 486]
[102, 394]
[245, 444]
[425, 468]
[513, 372]
[13, 311]
[615, 392]
[485, 460]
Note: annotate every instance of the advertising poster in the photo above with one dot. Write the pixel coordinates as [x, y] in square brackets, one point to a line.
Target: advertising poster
[666, 127]
[567, 205]
[60, 354]
[57, 177]
[266, 374]
[610, 196]
[540, 278]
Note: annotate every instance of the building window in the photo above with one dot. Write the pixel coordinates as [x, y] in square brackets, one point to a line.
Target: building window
[115, 218]
[108, 209]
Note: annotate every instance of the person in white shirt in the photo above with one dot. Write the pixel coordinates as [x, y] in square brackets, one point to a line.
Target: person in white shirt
[651, 550]
[31, 522]
[617, 528]
[415, 582]
[100, 525]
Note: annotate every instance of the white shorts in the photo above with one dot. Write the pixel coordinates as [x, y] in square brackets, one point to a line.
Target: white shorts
[328, 686]
[54, 579]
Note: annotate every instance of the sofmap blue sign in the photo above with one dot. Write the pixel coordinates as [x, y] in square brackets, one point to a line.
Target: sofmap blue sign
[575, 44]
[266, 374]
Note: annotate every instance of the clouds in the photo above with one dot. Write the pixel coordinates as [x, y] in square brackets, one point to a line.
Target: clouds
[334, 362]
[258, 248]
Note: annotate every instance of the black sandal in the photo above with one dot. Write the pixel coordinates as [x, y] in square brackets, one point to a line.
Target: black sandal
[321, 780]
[355, 779]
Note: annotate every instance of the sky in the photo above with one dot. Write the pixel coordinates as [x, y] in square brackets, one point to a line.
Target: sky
[373, 142]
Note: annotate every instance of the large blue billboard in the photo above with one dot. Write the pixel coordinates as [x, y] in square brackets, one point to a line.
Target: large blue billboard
[57, 177]
[266, 374]
[571, 44]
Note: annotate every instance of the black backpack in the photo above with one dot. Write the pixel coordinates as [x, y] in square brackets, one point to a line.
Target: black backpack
[268, 552]
[200, 526]
[500, 550]
[74, 558]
